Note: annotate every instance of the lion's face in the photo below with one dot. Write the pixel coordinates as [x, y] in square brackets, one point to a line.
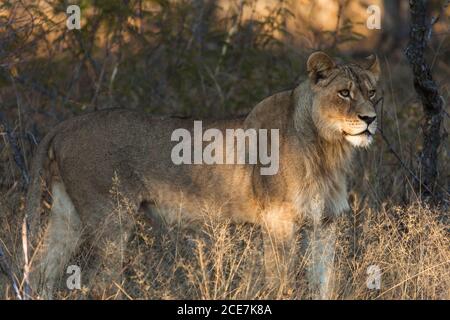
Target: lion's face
[343, 99]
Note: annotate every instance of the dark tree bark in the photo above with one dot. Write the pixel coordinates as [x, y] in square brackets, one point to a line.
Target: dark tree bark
[427, 91]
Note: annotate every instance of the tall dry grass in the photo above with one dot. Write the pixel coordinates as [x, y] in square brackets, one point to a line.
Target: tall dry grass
[221, 260]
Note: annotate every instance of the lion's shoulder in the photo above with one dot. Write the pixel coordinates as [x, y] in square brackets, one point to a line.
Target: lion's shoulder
[272, 112]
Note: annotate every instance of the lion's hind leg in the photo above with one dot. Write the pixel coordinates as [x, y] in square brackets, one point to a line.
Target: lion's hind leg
[109, 246]
[61, 240]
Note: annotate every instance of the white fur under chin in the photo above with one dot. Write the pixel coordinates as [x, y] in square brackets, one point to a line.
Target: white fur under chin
[362, 141]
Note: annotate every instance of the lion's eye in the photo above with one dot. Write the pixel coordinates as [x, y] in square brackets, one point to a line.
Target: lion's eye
[372, 93]
[344, 93]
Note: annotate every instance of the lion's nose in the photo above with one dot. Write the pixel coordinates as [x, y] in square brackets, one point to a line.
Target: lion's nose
[367, 119]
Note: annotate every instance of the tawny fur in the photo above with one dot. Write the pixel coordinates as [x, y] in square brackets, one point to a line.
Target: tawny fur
[318, 132]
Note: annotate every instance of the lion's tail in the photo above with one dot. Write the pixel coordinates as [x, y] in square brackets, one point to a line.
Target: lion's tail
[32, 205]
[34, 193]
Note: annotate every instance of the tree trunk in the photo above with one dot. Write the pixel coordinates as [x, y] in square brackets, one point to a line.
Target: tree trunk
[432, 102]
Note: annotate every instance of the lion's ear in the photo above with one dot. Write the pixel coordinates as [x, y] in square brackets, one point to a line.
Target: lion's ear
[373, 65]
[318, 66]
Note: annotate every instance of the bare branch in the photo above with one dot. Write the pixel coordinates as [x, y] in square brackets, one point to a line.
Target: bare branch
[18, 156]
[5, 267]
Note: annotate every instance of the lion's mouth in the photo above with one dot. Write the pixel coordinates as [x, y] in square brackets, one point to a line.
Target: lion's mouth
[365, 132]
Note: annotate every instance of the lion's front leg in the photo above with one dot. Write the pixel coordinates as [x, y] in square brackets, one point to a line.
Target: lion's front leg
[321, 241]
[278, 234]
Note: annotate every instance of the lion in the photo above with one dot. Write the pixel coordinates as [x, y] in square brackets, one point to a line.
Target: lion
[321, 122]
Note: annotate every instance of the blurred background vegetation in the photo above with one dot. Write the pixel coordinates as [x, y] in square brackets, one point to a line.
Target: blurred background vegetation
[199, 58]
[193, 57]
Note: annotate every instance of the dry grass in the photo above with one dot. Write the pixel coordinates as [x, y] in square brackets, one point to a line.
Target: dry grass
[221, 260]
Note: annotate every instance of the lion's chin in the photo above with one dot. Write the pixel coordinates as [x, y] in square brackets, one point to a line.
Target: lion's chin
[362, 140]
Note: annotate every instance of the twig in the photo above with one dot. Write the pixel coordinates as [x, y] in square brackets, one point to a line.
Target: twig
[342, 5]
[233, 30]
[100, 77]
[50, 92]
[18, 156]
[26, 267]
[412, 277]
[4, 266]
[399, 159]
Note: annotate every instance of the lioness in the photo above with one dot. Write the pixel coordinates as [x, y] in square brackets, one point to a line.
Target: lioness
[320, 123]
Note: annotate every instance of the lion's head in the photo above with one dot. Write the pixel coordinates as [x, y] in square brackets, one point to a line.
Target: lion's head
[343, 99]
